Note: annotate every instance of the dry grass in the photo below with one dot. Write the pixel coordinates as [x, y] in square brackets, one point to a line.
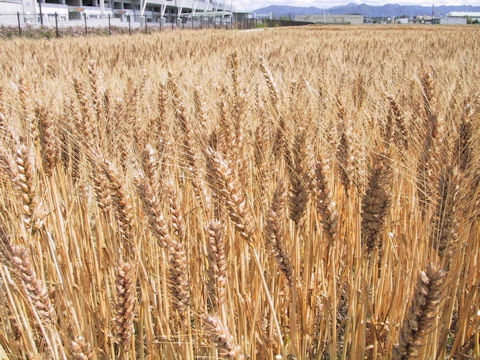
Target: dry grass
[293, 193]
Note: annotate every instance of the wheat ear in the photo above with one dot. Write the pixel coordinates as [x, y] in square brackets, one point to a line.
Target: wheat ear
[298, 178]
[126, 299]
[217, 266]
[325, 205]
[376, 202]
[275, 232]
[223, 338]
[48, 138]
[421, 314]
[229, 188]
[81, 349]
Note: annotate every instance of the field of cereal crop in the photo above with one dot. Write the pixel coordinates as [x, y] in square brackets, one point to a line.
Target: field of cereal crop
[295, 193]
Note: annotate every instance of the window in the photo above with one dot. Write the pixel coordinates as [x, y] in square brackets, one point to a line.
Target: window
[74, 15]
[73, 2]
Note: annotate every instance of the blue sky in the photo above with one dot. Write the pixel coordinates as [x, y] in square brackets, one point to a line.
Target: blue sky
[255, 4]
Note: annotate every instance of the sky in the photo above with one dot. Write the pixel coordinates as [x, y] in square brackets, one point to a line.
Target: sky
[242, 5]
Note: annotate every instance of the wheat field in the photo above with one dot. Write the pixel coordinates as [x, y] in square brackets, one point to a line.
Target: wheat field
[296, 193]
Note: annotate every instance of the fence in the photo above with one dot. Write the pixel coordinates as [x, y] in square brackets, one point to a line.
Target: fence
[275, 23]
[55, 25]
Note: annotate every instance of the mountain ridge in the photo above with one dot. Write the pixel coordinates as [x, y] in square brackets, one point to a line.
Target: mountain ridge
[386, 10]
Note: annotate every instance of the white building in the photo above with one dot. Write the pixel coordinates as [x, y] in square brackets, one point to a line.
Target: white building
[139, 10]
[453, 21]
[331, 19]
[464, 14]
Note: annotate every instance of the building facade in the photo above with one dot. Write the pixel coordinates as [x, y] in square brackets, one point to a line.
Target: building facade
[331, 19]
[464, 14]
[138, 10]
[453, 21]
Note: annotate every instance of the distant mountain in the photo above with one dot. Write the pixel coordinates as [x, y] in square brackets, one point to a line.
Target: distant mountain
[363, 9]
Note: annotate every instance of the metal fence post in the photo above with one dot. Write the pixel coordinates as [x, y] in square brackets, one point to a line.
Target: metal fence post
[109, 26]
[192, 21]
[85, 18]
[146, 26]
[41, 15]
[19, 26]
[56, 25]
[129, 26]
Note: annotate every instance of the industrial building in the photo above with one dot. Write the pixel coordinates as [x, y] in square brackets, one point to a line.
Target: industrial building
[464, 14]
[331, 19]
[451, 21]
[138, 10]
[447, 20]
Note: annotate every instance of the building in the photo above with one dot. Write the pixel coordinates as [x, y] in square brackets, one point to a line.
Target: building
[138, 10]
[425, 19]
[464, 14]
[243, 15]
[331, 19]
[452, 21]
[439, 20]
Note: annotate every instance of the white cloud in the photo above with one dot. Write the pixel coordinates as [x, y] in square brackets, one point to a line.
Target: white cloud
[242, 5]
